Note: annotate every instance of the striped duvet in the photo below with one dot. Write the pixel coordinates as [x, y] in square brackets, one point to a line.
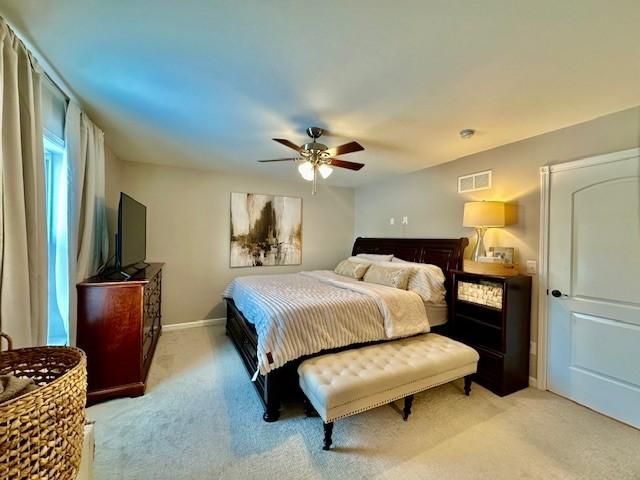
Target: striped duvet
[303, 313]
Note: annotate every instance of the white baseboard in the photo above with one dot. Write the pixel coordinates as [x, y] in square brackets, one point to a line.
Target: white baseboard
[199, 323]
[533, 382]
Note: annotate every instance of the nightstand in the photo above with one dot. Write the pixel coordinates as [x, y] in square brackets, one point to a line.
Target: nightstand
[492, 314]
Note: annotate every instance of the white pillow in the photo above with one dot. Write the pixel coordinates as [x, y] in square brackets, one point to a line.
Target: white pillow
[389, 275]
[399, 260]
[360, 259]
[374, 257]
[427, 280]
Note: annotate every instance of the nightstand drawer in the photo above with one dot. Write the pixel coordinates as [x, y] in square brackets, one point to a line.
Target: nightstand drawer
[478, 332]
[490, 365]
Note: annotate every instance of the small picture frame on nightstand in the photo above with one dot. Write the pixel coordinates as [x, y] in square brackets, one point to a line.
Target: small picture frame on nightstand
[505, 253]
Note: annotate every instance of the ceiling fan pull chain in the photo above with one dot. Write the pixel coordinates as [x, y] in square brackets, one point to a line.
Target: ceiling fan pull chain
[315, 180]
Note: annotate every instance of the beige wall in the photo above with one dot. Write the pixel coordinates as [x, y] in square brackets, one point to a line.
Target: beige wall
[113, 180]
[429, 197]
[188, 229]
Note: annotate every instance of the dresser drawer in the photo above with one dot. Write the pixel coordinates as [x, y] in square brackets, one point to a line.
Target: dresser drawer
[479, 332]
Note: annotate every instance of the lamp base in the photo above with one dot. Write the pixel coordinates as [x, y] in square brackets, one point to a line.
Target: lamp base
[479, 251]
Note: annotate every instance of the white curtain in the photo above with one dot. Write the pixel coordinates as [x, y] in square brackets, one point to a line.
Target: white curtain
[23, 232]
[88, 237]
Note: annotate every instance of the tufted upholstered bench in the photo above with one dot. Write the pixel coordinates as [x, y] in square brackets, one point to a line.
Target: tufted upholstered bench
[341, 384]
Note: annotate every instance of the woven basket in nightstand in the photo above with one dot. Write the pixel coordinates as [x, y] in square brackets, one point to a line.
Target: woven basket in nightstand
[41, 432]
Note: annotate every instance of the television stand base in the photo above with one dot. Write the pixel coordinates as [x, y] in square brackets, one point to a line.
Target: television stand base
[136, 267]
[125, 274]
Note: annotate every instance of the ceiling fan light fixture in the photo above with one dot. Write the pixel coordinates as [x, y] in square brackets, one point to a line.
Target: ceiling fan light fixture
[306, 171]
[315, 158]
[325, 170]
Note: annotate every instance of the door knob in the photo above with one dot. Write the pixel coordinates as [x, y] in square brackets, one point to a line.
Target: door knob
[558, 294]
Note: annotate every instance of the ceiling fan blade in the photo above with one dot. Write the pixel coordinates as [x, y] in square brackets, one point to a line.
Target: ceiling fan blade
[287, 143]
[346, 148]
[279, 160]
[336, 162]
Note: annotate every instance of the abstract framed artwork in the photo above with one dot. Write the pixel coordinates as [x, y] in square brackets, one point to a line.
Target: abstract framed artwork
[265, 230]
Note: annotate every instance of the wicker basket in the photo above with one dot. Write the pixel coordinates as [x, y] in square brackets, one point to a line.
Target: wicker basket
[41, 432]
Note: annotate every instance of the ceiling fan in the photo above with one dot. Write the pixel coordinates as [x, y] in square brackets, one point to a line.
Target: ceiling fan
[314, 157]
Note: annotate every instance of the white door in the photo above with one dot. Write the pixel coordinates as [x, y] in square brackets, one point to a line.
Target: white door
[594, 285]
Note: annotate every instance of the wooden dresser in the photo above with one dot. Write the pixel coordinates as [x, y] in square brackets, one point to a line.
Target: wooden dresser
[119, 323]
[492, 313]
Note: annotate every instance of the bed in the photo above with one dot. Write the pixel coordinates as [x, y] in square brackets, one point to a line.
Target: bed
[281, 383]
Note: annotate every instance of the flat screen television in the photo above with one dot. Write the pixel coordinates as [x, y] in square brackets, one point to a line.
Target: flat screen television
[131, 239]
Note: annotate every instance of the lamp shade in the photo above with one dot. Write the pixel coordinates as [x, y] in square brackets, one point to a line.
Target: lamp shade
[484, 214]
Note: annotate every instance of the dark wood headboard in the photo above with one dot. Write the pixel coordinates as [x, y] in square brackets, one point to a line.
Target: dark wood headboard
[447, 253]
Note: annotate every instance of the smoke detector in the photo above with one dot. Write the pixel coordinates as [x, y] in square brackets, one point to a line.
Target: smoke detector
[467, 133]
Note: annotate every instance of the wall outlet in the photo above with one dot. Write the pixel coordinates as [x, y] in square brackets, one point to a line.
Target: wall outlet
[405, 220]
[392, 221]
[532, 266]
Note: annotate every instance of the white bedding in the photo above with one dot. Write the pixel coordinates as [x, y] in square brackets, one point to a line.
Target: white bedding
[303, 313]
[437, 313]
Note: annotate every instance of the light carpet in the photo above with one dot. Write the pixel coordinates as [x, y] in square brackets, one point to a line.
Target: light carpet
[201, 419]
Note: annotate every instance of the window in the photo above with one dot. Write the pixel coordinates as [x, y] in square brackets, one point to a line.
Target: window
[57, 239]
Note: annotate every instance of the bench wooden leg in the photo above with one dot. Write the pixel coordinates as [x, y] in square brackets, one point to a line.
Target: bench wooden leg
[467, 384]
[271, 414]
[309, 410]
[408, 401]
[328, 431]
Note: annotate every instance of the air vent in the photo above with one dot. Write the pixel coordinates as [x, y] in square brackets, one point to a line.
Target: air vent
[475, 182]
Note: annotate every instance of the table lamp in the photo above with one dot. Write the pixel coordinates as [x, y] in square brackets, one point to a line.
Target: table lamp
[483, 215]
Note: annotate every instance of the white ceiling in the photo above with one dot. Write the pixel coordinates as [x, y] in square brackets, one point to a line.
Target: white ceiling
[204, 83]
